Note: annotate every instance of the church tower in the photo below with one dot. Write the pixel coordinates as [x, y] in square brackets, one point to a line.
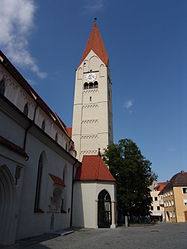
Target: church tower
[92, 112]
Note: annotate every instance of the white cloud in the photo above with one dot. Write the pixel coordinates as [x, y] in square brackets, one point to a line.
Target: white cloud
[16, 22]
[128, 104]
[93, 6]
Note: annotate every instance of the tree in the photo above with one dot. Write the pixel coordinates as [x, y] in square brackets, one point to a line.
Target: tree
[133, 176]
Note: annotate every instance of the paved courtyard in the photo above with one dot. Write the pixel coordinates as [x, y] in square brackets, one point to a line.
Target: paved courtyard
[160, 236]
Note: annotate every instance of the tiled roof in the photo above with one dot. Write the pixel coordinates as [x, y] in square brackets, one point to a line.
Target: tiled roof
[180, 179]
[96, 44]
[161, 185]
[57, 180]
[93, 169]
[69, 131]
[13, 147]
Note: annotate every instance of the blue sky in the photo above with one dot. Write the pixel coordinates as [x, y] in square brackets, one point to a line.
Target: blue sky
[147, 45]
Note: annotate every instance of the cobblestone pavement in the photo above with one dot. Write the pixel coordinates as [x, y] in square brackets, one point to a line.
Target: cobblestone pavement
[160, 236]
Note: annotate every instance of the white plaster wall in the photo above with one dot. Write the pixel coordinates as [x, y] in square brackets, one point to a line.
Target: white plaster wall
[85, 202]
[16, 94]
[92, 117]
[19, 97]
[31, 223]
[27, 223]
[11, 130]
[12, 160]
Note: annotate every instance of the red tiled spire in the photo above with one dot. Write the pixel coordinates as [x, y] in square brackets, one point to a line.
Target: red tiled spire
[96, 44]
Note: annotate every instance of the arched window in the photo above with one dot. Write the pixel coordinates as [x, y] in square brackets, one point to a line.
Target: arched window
[26, 110]
[95, 84]
[90, 98]
[90, 85]
[38, 186]
[56, 137]
[2, 86]
[85, 85]
[104, 209]
[64, 174]
[43, 125]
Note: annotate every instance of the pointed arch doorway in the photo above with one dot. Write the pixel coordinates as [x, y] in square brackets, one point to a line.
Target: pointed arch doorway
[7, 207]
[104, 210]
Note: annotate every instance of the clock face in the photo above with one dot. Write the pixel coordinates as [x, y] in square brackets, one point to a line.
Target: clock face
[91, 77]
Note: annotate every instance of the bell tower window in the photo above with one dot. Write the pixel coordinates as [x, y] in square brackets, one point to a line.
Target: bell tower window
[85, 85]
[95, 84]
[90, 85]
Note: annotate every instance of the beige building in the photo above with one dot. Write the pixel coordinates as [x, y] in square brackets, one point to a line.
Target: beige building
[157, 205]
[175, 198]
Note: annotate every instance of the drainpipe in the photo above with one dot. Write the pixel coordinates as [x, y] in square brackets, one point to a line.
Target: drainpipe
[71, 217]
[28, 128]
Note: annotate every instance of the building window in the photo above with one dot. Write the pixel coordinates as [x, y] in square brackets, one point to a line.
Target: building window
[172, 203]
[62, 206]
[55, 200]
[2, 86]
[156, 199]
[184, 190]
[26, 109]
[38, 185]
[170, 214]
[64, 174]
[56, 137]
[43, 125]
[185, 202]
[173, 214]
[85, 85]
[90, 98]
[66, 147]
[158, 208]
[95, 84]
[91, 85]
[152, 208]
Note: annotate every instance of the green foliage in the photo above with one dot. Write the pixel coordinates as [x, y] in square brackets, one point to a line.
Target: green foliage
[133, 176]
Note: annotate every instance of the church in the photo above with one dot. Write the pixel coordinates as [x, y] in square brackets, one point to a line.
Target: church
[53, 177]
